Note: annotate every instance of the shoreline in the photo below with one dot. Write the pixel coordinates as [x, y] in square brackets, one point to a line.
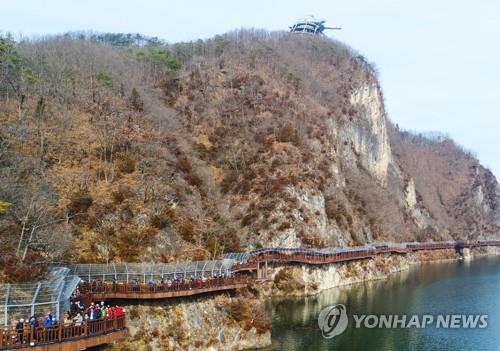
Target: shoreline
[157, 326]
[307, 280]
[412, 262]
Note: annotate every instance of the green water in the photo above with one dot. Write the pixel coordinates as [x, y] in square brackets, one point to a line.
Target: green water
[449, 288]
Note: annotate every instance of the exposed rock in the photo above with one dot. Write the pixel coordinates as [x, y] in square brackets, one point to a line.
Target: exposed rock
[202, 324]
[369, 135]
[301, 280]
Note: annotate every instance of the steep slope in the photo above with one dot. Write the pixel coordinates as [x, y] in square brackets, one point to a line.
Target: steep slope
[163, 152]
[460, 193]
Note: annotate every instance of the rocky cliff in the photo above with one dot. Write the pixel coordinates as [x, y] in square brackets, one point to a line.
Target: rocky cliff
[214, 323]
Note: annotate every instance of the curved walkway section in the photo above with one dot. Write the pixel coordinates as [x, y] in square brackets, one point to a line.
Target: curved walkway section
[63, 337]
[250, 261]
[144, 272]
[159, 290]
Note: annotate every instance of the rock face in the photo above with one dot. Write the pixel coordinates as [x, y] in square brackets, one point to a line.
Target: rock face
[370, 194]
[303, 280]
[203, 324]
[308, 280]
[369, 136]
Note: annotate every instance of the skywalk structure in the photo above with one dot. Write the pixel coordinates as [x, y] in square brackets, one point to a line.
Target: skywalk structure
[143, 273]
[48, 296]
[153, 281]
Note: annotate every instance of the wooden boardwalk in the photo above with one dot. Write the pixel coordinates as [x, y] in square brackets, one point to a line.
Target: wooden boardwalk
[64, 337]
[94, 333]
[317, 257]
[106, 291]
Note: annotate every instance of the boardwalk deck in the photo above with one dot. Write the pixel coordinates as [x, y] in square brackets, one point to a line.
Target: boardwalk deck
[64, 337]
[146, 292]
[81, 344]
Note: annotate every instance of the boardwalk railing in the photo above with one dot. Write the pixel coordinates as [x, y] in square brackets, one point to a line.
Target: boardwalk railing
[12, 338]
[105, 290]
[333, 255]
[315, 258]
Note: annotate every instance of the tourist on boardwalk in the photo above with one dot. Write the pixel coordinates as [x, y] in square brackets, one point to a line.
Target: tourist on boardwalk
[79, 306]
[104, 313]
[67, 318]
[78, 319]
[151, 285]
[34, 322]
[49, 321]
[118, 311]
[20, 330]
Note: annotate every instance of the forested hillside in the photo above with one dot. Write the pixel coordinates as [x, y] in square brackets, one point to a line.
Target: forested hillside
[119, 147]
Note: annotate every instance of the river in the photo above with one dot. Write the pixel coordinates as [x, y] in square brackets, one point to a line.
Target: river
[434, 288]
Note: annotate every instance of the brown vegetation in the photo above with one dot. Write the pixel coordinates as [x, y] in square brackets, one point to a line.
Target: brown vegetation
[113, 153]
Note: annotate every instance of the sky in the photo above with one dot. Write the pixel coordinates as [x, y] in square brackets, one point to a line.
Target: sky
[438, 61]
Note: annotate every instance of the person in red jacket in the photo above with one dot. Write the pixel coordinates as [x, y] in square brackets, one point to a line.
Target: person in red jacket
[118, 311]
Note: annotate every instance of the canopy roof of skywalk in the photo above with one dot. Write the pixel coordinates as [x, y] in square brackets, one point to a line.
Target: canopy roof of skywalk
[25, 300]
[144, 272]
[312, 251]
[240, 257]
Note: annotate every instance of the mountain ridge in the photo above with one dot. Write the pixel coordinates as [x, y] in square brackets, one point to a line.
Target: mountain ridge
[184, 151]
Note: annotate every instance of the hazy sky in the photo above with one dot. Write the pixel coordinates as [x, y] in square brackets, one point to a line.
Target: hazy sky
[438, 61]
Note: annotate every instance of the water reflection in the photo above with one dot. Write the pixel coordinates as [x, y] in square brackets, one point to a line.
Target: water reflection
[453, 287]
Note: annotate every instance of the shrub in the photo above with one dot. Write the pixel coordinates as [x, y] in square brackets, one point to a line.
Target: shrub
[184, 165]
[193, 179]
[80, 202]
[230, 178]
[242, 311]
[104, 79]
[187, 231]
[284, 226]
[288, 134]
[121, 194]
[131, 242]
[4, 206]
[161, 220]
[248, 219]
[335, 211]
[278, 184]
[261, 322]
[126, 212]
[126, 164]
[135, 100]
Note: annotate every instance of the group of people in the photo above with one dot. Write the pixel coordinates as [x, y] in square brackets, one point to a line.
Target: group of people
[76, 316]
[95, 311]
[34, 322]
[165, 284]
[189, 282]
